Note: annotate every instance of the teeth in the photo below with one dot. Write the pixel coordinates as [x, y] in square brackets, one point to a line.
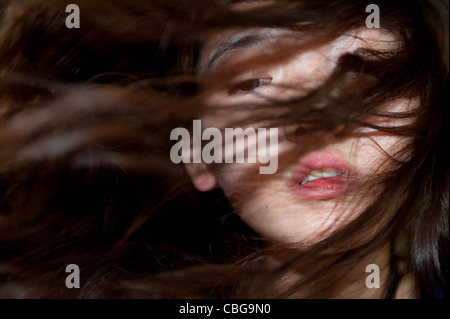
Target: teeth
[322, 173]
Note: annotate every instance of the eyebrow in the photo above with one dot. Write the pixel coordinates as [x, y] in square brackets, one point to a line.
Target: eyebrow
[245, 41]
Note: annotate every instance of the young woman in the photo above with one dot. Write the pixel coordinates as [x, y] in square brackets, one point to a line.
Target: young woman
[340, 189]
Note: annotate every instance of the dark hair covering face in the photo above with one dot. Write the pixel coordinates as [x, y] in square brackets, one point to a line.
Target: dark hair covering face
[85, 178]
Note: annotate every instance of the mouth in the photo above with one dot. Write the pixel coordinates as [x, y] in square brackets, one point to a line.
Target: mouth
[323, 175]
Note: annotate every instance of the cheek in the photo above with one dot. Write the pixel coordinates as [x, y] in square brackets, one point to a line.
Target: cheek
[378, 147]
[381, 150]
[382, 153]
[256, 202]
[238, 180]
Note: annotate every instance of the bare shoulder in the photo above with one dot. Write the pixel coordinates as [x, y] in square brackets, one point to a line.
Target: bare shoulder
[406, 288]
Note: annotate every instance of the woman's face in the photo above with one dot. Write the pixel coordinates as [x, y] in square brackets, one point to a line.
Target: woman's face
[318, 185]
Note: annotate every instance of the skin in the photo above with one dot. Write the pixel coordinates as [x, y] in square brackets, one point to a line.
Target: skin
[266, 202]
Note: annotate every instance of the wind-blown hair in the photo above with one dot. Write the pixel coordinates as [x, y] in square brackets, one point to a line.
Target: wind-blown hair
[85, 173]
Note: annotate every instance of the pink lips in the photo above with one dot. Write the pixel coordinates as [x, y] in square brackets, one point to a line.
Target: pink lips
[325, 187]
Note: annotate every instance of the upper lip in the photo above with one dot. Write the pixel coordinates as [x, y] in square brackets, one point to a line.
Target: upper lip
[321, 160]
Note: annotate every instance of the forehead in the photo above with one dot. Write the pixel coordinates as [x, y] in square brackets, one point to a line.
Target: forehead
[225, 42]
[263, 41]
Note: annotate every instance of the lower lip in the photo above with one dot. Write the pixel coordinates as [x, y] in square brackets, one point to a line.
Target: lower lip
[323, 188]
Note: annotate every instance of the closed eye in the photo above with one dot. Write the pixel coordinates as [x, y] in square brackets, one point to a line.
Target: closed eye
[249, 86]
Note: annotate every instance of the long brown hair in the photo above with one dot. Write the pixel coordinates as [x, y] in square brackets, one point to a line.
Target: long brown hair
[85, 174]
